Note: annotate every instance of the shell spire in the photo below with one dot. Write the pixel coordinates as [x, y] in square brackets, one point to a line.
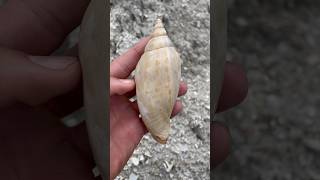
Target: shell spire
[159, 37]
[159, 29]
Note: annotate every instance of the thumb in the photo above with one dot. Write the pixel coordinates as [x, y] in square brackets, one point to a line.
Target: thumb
[121, 86]
[35, 79]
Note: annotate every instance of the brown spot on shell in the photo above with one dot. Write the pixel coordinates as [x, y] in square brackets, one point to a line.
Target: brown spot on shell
[166, 69]
[157, 90]
[157, 62]
[160, 140]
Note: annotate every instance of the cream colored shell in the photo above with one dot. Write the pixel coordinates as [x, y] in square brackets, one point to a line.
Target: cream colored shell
[157, 79]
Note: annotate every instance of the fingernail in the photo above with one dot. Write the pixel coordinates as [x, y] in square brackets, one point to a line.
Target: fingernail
[184, 83]
[54, 62]
[126, 81]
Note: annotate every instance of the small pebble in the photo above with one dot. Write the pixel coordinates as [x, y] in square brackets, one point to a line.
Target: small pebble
[168, 166]
[133, 176]
[135, 161]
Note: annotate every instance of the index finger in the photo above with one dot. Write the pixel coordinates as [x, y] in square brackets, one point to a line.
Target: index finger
[122, 66]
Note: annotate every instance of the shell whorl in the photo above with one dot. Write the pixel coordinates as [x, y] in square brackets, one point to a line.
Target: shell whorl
[159, 38]
[159, 29]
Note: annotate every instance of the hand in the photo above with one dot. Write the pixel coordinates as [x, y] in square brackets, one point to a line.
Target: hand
[30, 31]
[34, 144]
[126, 128]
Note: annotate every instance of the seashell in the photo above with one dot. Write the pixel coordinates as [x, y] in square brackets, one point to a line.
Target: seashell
[157, 78]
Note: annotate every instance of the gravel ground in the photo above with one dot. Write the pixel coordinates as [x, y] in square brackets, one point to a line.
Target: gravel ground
[275, 132]
[186, 155]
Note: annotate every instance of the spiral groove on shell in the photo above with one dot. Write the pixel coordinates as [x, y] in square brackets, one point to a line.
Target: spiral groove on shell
[157, 83]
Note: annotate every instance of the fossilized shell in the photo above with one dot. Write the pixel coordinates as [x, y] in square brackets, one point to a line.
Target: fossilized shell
[157, 79]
